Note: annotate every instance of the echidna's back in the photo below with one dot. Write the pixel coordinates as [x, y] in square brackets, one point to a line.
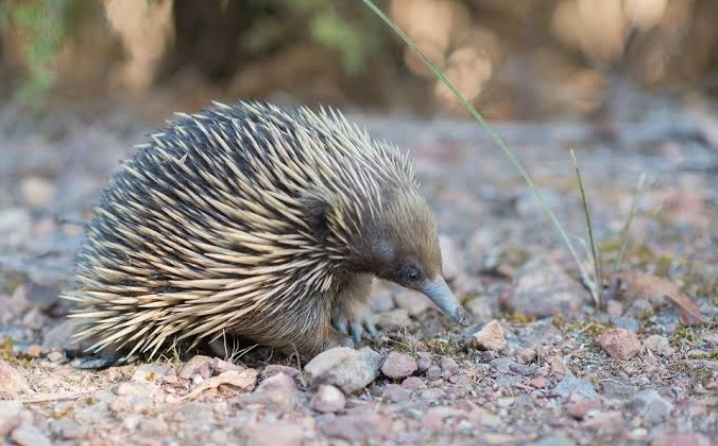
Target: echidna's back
[212, 214]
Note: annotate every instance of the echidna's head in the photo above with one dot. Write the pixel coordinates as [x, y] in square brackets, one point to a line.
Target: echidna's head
[401, 244]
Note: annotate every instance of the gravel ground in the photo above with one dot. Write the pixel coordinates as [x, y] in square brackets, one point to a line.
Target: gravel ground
[539, 365]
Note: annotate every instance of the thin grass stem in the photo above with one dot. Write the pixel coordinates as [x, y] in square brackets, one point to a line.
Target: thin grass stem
[491, 132]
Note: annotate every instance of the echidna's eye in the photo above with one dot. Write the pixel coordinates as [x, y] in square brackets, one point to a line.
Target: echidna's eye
[410, 274]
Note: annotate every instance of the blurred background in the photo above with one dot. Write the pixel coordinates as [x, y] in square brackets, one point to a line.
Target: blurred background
[516, 60]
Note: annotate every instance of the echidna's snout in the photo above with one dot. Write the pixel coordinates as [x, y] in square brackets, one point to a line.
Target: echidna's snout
[440, 293]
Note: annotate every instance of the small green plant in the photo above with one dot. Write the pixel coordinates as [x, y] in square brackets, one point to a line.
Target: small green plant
[356, 39]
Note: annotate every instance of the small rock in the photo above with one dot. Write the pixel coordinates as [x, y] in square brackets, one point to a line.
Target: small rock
[131, 404]
[346, 368]
[328, 399]
[638, 434]
[272, 434]
[503, 364]
[273, 369]
[413, 382]
[395, 393]
[92, 415]
[37, 191]
[188, 368]
[282, 400]
[614, 308]
[435, 417]
[650, 405]
[449, 366]
[150, 373]
[628, 323]
[414, 303]
[66, 428]
[357, 428]
[433, 373]
[56, 357]
[620, 343]
[28, 435]
[398, 365]
[605, 423]
[570, 385]
[539, 382]
[34, 351]
[490, 337]
[434, 394]
[197, 413]
[460, 380]
[558, 368]
[505, 402]
[525, 355]
[578, 409]
[658, 345]
[12, 382]
[10, 409]
[682, 440]
[278, 381]
[523, 370]
[134, 389]
[244, 379]
[542, 288]
[615, 389]
[153, 427]
[423, 362]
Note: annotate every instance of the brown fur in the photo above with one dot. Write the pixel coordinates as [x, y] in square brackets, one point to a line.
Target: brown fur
[252, 221]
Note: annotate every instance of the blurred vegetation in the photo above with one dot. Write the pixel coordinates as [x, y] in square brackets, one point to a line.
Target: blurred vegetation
[42, 24]
[514, 59]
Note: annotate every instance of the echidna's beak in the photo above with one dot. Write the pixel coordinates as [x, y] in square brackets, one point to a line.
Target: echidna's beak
[439, 293]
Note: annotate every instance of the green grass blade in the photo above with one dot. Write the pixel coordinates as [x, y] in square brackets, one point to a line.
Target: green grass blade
[594, 287]
[492, 134]
[626, 226]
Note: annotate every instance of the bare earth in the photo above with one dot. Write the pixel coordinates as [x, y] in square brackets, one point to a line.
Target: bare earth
[539, 365]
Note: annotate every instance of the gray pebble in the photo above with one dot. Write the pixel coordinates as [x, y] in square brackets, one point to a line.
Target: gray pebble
[28, 435]
[150, 373]
[346, 368]
[570, 385]
[328, 399]
[9, 409]
[423, 362]
[395, 393]
[650, 405]
[449, 365]
[433, 373]
[398, 365]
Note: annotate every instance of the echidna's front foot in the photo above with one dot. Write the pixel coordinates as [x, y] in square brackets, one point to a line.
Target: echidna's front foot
[352, 314]
[354, 322]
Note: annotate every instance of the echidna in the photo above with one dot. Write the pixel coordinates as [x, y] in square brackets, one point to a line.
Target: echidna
[259, 222]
